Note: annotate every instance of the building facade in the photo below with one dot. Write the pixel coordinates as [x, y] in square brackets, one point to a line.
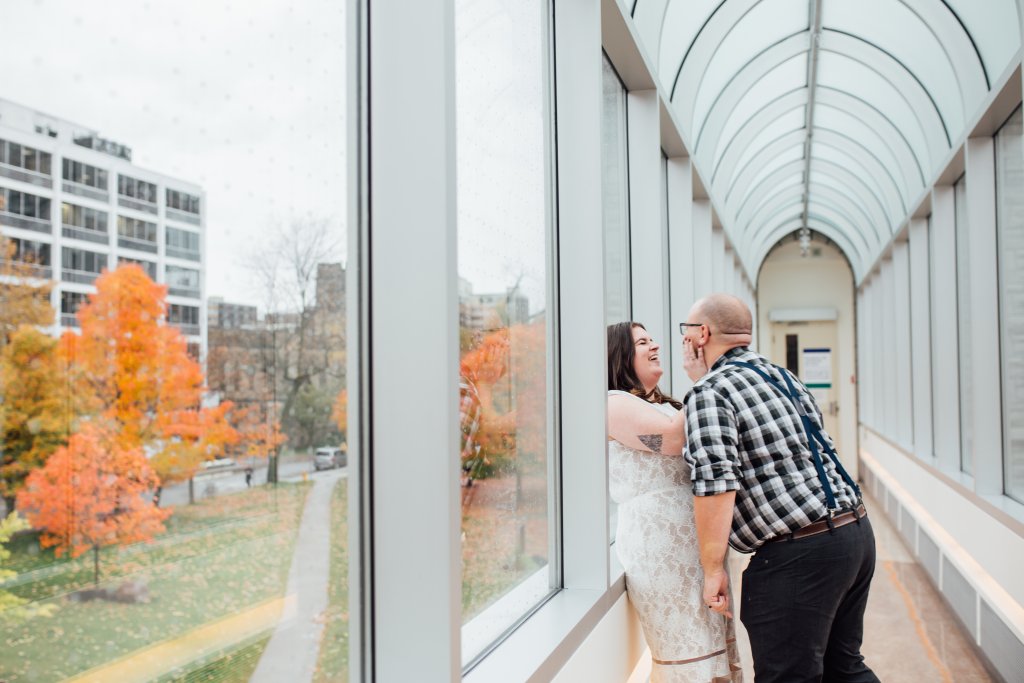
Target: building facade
[74, 205]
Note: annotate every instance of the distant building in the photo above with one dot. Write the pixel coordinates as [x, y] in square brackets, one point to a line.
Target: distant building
[223, 315]
[74, 205]
[261, 362]
[491, 311]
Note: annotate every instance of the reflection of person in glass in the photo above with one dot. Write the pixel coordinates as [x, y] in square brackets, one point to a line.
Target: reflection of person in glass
[656, 537]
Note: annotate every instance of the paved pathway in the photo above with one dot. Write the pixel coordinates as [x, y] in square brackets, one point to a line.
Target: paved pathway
[291, 654]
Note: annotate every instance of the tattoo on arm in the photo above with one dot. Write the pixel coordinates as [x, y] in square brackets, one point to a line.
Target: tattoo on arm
[652, 441]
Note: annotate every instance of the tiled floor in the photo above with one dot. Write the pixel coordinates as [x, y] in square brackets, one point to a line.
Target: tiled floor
[910, 635]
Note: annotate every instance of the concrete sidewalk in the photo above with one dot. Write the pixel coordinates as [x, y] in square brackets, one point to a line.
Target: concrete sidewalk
[291, 655]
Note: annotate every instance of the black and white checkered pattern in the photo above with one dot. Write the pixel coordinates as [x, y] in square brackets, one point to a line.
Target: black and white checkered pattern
[743, 435]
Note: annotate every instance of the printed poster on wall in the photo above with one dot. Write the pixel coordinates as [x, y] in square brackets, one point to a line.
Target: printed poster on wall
[817, 368]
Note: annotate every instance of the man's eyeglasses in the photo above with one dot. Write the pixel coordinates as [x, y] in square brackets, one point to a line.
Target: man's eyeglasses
[683, 326]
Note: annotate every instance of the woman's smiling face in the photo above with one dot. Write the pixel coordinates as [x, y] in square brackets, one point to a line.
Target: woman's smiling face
[647, 358]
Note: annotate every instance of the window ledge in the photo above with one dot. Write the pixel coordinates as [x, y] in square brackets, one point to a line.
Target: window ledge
[542, 644]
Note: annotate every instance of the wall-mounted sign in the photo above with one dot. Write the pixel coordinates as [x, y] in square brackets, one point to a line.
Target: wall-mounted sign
[817, 368]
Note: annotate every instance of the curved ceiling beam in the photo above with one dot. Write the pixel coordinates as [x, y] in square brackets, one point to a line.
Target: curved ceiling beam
[751, 129]
[818, 226]
[825, 201]
[789, 202]
[703, 47]
[816, 223]
[842, 145]
[835, 216]
[792, 222]
[769, 186]
[757, 163]
[905, 82]
[736, 88]
[883, 129]
[949, 30]
[868, 162]
[844, 180]
[867, 204]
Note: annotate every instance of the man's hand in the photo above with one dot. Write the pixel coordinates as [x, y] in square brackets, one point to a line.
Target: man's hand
[716, 591]
[693, 361]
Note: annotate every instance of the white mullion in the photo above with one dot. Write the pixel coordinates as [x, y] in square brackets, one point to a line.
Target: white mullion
[728, 269]
[920, 337]
[945, 361]
[717, 259]
[863, 354]
[583, 363]
[702, 271]
[359, 578]
[645, 207]
[987, 434]
[879, 335]
[414, 343]
[888, 357]
[903, 414]
[682, 257]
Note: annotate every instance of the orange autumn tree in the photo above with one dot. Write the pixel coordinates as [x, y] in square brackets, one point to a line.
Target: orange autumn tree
[33, 414]
[507, 373]
[260, 438]
[91, 494]
[131, 372]
[340, 413]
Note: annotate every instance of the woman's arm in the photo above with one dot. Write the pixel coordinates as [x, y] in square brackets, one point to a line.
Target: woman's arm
[635, 423]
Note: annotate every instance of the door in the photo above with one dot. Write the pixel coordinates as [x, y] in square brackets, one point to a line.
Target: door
[808, 350]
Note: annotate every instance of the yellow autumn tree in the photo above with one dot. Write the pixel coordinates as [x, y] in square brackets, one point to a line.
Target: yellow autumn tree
[34, 419]
[24, 295]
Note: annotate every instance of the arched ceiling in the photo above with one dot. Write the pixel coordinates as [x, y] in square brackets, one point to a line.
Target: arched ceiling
[831, 114]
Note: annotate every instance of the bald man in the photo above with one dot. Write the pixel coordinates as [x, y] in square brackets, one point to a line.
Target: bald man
[766, 480]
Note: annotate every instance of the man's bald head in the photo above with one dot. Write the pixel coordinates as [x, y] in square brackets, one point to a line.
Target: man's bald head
[724, 314]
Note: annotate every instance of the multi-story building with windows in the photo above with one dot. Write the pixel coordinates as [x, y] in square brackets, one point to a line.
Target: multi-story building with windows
[74, 205]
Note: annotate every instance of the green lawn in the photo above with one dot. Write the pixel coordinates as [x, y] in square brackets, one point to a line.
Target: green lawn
[217, 558]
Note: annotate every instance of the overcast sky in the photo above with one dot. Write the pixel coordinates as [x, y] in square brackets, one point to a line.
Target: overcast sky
[247, 99]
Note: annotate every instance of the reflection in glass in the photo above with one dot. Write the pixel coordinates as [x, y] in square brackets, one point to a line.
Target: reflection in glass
[163, 475]
[504, 293]
[1010, 222]
[615, 197]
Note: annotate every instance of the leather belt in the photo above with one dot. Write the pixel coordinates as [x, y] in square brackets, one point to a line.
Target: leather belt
[823, 525]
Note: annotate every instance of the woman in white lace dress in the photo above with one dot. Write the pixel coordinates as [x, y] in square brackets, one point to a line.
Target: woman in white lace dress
[656, 539]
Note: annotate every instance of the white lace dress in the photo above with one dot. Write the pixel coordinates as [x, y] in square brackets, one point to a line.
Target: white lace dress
[656, 541]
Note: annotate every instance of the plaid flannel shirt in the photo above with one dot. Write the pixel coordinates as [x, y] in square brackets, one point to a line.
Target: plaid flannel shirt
[743, 435]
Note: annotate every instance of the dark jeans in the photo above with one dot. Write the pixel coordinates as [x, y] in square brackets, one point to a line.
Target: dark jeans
[803, 606]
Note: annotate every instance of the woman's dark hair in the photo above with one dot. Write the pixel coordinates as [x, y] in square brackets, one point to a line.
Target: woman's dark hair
[621, 375]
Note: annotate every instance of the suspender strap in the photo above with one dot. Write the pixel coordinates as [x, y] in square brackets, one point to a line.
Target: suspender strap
[814, 435]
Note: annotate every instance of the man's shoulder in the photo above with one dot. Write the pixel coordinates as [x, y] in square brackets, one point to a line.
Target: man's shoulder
[726, 370]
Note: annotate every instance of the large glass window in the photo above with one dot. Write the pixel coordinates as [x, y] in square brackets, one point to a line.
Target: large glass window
[182, 201]
[182, 486]
[505, 292]
[84, 174]
[182, 244]
[23, 156]
[615, 197]
[1010, 222]
[133, 233]
[182, 281]
[963, 297]
[84, 217]
[147, 266]
[136, 189]
[24, 204]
